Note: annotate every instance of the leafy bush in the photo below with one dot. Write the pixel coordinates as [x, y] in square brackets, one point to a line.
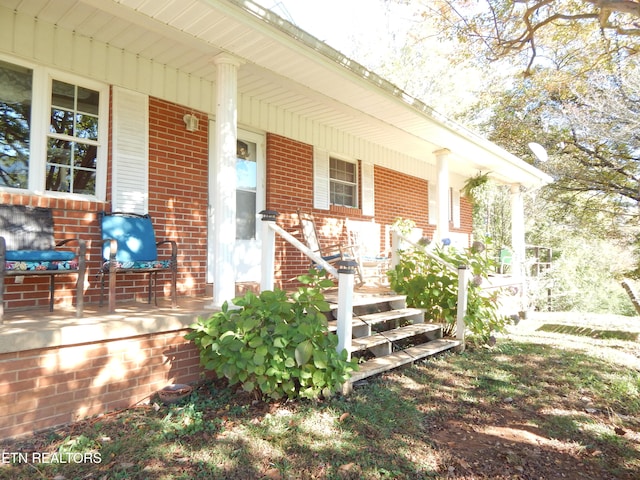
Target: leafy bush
[276, 345]
[584, 276]
[430, 285]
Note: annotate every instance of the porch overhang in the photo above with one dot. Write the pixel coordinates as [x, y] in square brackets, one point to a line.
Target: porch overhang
[284, 67]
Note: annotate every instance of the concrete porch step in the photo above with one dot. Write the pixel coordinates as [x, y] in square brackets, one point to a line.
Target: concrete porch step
[402, 357]
[358, 344]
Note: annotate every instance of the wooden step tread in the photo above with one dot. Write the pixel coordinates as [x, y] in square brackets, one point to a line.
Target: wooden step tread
[394, 335]
[379, 317]
[402, 357]
[361, 300]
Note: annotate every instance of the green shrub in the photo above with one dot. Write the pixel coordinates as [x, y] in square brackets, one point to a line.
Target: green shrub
[276, 345]
[431, 286]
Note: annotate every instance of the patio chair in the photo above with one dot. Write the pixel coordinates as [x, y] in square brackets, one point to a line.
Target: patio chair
[505, 260]
[27, 247]
[129, 246]
[365, 238]
[329, 253]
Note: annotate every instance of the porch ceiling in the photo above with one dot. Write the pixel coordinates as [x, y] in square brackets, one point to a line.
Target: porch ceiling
[284, 67]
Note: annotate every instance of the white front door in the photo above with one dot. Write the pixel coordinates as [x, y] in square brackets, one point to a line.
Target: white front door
[250, 199]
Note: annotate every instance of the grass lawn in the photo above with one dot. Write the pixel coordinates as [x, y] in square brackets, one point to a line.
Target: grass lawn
[558, 397]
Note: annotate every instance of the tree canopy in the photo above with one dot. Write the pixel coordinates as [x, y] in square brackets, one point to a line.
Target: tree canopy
[504, 28]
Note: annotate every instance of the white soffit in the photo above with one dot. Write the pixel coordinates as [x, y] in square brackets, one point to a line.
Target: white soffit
[284, 66]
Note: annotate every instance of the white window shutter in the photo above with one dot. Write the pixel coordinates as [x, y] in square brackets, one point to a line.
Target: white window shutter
[455, 207]
[368, 190]
[130, 162]
[321, 181]
[433, 203]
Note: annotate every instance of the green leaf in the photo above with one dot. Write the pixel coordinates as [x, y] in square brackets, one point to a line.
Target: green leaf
[280, 342]
[303, 352]
[262, 350]
[227, 334]
[318, 378]
[248, 386]
[320, 359]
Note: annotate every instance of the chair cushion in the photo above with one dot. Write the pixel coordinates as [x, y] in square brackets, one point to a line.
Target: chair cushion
[156, 264]
[135, 236]
[44, 265]
[39, 255]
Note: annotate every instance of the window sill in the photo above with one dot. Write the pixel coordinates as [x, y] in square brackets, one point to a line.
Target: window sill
[345, 210]
[51, 195]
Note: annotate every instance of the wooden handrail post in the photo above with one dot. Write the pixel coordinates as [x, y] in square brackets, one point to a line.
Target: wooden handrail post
[346, 273]
[267, 272]
[463, 295]
[395, 243]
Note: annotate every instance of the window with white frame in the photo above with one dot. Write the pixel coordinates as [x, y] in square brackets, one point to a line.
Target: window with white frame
[343, 182]
[16, 86]
[52, 142]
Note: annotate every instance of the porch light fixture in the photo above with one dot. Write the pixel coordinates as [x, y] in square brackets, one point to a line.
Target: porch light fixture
[191, 121]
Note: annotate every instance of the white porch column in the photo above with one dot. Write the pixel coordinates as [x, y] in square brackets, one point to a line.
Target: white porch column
[442, 189]
[517, 231]
[224, 185]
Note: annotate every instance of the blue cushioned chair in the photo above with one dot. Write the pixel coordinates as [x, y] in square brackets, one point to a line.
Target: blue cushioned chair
[129, 245]
[27, 247]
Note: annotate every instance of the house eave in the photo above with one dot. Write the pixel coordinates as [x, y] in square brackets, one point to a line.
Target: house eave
[312, 81]
[520, 171]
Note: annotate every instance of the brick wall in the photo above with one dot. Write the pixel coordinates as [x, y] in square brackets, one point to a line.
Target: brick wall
[290, 187]
[44, 388]
[466, 216]
[178, 163]
[400, 195]
[72, 218]
[178, 192]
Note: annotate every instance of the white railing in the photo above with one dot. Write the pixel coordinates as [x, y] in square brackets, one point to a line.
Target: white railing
[463, 279]
[344, 274]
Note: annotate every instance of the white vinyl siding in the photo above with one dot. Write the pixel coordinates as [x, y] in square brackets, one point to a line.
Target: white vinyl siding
[130, 152]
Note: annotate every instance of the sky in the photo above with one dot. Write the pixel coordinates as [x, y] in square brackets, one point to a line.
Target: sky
[372, 32]
[335, 22]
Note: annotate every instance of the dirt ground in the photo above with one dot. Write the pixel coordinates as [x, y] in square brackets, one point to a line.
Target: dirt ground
[503, 444]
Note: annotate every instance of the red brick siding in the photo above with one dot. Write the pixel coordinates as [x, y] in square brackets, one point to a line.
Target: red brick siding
[72, 218]
[43, 388]
[290, 187]
[404, 196]
[466, 217]
[178, 193]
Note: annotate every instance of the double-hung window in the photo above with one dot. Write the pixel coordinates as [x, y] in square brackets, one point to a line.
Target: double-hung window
[53, 132]
[343, 182]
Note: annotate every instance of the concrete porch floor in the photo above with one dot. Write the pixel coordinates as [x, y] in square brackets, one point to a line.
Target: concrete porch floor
[39, 328]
